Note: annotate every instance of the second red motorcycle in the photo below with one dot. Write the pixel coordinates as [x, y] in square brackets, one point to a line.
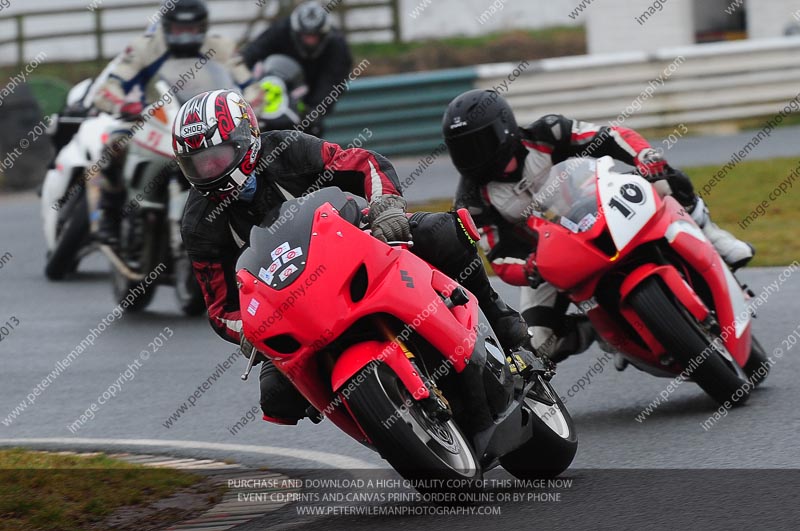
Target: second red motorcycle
[649, 280]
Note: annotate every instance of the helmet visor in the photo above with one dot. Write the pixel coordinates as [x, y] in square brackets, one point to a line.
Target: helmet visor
[185, 33]
[203, 168]
[475, 149]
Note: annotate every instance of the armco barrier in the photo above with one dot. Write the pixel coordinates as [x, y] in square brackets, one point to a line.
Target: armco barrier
[713, 82]
[709, 83]
[404, 112]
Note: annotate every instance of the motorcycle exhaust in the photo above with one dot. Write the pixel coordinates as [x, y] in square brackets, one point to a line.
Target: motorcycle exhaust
[120, 265]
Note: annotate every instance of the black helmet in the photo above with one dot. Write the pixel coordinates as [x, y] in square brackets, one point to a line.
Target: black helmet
[311, 28]
[481, 134]
[185, 25]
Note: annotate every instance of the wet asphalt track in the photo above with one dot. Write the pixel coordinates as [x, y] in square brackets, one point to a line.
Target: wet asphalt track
[55, 317]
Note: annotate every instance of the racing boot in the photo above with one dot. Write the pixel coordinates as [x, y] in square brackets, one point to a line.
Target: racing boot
[109, 217]
[281, 402]
[107, 192]
[554, 334]
[575, 335]
[733, 251]
[507, 323]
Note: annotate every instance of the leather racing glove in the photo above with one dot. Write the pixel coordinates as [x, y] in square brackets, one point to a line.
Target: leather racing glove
[387, 218]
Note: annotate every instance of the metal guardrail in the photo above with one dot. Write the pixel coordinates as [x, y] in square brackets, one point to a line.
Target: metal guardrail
[21, 38]
[404, 112]
[715, 82]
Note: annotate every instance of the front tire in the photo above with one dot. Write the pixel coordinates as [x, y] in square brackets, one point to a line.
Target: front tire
[63, 258]
[716, 372]
[552, 448]
[417, 446]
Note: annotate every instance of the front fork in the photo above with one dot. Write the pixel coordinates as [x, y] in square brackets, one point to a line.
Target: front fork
[435, 404]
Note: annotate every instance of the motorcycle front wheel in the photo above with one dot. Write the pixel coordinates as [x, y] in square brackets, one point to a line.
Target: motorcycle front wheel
[715, 371]
[73, 232]
[418, 446]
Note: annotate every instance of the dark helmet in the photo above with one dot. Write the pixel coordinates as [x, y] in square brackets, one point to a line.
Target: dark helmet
[185, 25]
[311, 29]
[216, 141]
[481, 134]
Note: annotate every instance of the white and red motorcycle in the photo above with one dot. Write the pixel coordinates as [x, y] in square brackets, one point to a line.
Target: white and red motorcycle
[156, 189]
[649, 280]
[80, 137]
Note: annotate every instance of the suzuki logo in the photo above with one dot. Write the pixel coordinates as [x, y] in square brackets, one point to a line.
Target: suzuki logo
[405, 277]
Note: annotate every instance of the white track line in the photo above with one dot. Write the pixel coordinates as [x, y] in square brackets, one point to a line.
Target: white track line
[323, 458]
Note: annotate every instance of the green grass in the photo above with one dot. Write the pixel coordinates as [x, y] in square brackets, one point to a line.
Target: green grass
[390, 49]
[44, 491]
[774, 234]
[720, 127]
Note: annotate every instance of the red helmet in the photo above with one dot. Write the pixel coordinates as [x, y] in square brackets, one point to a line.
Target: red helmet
[216, 141]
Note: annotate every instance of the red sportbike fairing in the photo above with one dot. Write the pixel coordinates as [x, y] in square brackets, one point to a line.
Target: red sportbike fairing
[394, 352]
[651, 283]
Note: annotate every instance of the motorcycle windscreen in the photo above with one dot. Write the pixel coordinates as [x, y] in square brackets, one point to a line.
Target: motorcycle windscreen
[569, 195]
[187, 80]
[279, 248]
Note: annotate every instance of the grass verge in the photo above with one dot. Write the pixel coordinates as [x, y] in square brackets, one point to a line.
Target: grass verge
[453, 52]
[740, 194]
[45, 491]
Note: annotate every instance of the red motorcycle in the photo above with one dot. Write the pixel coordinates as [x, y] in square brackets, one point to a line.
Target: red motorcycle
[392, 351]
[647, 277]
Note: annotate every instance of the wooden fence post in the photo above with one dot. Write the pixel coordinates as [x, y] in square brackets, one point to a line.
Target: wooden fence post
[396, 21]
[98, 33]
[20, 40]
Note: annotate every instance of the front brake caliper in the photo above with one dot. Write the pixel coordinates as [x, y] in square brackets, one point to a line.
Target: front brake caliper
[435, 405]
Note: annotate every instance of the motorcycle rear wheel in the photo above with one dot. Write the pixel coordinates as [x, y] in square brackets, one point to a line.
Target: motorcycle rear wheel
[716, 373]
[554, 443]
[757, 366]
[139, 246]
[416, 445]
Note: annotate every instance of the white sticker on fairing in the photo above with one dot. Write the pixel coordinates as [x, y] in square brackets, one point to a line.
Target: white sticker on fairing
[569, 224]
[587, 222]
[291, 255]
[266, 276]
[252, 308]
[282, 248]
[628, 202]
[286, 273]
[274, 266]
